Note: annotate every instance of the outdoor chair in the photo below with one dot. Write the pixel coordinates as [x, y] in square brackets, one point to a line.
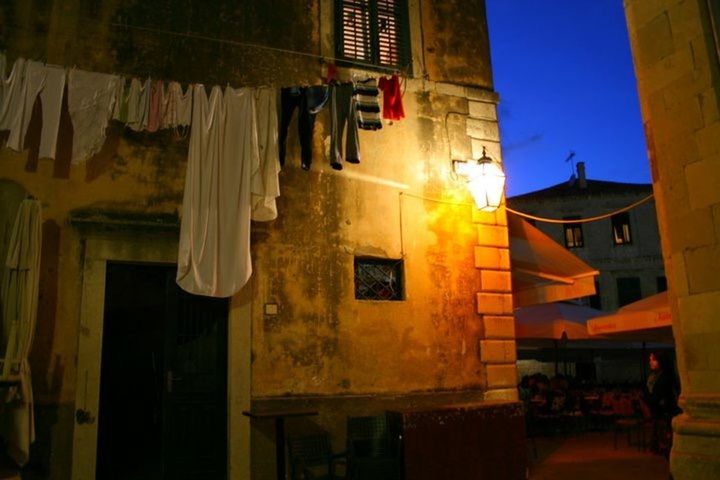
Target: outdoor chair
[372, 454]
[311, 458]
[634, 421]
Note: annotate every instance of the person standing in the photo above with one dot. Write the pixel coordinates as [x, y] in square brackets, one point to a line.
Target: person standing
[661, 393]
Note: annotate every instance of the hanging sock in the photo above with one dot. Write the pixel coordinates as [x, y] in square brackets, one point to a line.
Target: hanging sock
[91, 97]
[392, 98]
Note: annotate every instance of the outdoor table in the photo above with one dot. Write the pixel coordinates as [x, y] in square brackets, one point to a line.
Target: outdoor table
[279, 416]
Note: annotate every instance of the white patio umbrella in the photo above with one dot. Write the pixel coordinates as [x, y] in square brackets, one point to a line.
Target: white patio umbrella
[19, 297]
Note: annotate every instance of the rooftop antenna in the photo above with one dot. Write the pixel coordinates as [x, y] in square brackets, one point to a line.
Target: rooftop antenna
[572, 163]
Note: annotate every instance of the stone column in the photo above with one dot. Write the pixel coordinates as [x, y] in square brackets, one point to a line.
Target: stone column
[676, 63]
[492, 257]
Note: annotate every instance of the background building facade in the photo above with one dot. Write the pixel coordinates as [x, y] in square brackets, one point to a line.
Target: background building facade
[624, 248]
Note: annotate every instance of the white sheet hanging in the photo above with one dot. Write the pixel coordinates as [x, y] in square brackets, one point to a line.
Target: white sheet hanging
[91, 97]
[214, 250]
[19, 294]
[177, 106]
[265, 185]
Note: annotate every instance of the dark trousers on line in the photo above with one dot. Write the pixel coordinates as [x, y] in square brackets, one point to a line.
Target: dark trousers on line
[308, 101]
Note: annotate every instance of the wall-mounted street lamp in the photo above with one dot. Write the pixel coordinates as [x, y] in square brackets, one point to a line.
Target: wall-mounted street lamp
[485, 180]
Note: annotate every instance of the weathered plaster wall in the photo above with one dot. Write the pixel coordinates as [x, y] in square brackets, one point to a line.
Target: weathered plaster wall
[324, 343]
[678, 73]
[457, 42]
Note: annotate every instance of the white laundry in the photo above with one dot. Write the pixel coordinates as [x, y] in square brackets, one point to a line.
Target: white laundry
[13, 96]
[3, 68]
[177, 106]
[120, 106]
[49, 83]
[91, 97]
[138, 104]
[51, 101]
[214, 250]
[265, 184]
[33, 83]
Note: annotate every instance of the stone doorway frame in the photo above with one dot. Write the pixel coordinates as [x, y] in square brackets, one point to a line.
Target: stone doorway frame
[158, 250]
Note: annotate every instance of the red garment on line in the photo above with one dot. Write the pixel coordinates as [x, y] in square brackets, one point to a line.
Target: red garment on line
[392, 98]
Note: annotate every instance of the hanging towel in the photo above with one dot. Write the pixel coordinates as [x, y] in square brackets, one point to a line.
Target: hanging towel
[367, 107]
[392, 98]
[266, 187]
[138, 104]
[91, 97]
[155, 108]
[214, 249]
[121, 102]
[49, 83]
[177, 106]
[13, 97]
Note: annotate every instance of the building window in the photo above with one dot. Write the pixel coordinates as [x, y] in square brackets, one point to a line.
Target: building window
[593, 301]
[378, 279]
[573, 233]
[373, 32]
[621, 229]
[628, 290]
[661, 284]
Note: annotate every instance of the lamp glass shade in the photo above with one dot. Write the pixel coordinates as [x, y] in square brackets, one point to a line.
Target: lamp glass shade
[487, 185]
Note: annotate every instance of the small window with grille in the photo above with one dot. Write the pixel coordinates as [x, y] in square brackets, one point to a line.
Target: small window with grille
[373, 32]
[378, 279]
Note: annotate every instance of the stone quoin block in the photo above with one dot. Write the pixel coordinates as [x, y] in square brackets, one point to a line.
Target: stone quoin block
[492, 257]
[495, 303]
[499, 376]
[497, 351]
[492, 235]
[482, 110]
[495, 281]
[483, 129]
[498, 326]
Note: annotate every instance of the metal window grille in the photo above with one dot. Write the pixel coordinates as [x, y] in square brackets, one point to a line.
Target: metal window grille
[378, 279]
[374, 32]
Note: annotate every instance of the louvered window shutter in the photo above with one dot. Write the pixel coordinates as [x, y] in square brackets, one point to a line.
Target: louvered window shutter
[373, 32]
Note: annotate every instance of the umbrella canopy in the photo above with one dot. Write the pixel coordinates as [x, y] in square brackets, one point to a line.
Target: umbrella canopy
[647, 319]
[553, 321]
[19, 297]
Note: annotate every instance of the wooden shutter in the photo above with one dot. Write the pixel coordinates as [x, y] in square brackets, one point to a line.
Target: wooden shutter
[373, 31]
[392, 33]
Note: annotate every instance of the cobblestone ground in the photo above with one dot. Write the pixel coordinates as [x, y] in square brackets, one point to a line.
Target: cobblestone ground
[591, 456]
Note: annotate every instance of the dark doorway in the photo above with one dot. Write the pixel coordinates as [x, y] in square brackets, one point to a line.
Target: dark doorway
[163, 388]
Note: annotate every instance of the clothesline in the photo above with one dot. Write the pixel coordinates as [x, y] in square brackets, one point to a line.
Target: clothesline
[328, 60]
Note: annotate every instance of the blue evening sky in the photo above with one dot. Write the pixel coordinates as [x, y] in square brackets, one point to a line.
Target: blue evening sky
[564, 72]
